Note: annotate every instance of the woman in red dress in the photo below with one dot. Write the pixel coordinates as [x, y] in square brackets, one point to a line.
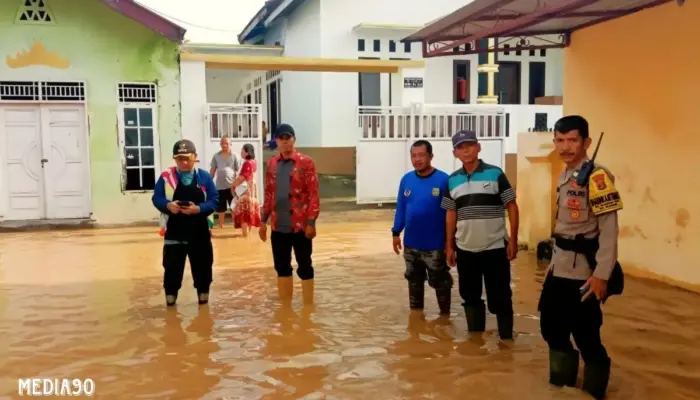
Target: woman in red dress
[247, 211]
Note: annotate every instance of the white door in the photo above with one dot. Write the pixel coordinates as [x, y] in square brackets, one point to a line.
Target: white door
[23, 178]
[66, 169]
[46, 167]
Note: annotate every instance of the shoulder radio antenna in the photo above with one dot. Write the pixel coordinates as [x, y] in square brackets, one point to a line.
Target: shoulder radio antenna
[597, 146]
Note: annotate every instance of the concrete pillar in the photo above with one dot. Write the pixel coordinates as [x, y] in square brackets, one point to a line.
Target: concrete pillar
[193, 103]
[490, 68]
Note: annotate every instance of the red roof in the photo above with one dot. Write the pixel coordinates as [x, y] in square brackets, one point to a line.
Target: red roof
[483, 19]
[147, 18]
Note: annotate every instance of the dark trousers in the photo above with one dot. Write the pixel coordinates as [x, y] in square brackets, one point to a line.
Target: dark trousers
[201, 256]
[430, 265]
[282, 245]
[491, 266]
[562, 314]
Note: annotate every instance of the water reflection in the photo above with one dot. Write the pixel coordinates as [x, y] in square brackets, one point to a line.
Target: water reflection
[89, 304]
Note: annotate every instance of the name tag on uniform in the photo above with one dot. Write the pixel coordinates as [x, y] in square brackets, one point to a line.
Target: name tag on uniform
[436, 192]
[576, 193]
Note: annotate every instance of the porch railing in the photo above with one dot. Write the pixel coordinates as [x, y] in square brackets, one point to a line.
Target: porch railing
[438, 121]
[236, 121]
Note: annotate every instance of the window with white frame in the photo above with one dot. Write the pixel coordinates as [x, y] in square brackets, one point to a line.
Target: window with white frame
[138, 136]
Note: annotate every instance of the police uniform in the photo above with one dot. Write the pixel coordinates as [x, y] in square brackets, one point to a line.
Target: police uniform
[585, 238]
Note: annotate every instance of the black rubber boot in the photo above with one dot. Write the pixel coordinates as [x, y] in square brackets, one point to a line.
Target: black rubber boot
[202, 298]
[563, 367]
[444, 300]
[170, 299]
[476, 319]
[505, 326]
[416, 295]
[595, 379]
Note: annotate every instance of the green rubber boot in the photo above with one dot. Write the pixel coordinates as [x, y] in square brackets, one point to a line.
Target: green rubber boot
[416, 295]
[563, 367]
[595, 379]
[444, 300]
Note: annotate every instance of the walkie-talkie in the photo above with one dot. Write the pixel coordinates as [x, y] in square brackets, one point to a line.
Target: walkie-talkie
[587, 168]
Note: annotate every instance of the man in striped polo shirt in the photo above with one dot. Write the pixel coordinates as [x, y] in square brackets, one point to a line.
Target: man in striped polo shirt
[478, 195]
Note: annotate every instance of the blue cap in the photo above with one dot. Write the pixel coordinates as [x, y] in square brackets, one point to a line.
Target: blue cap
[464, 137]
[284, 129]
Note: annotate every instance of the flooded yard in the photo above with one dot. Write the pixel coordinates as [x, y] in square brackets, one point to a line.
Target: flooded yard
[89, 304]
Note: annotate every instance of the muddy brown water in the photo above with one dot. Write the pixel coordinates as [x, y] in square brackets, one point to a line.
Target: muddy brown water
[89, 304]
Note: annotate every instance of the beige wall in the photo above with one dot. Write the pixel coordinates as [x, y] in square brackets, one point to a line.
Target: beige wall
[332, 160]
[538, 168]
[341, 161]
[634, 78]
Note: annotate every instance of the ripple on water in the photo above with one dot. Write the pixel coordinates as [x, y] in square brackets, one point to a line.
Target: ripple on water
[101, 316]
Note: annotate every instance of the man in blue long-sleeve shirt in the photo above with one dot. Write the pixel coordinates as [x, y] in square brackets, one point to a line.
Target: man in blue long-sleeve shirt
[420, 217]
[187, 198]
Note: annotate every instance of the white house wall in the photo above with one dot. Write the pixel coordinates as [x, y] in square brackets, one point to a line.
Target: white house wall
[301, 91]
[275, 33]
[322, 106]
[439, 88]
[226, 85]
[554, 59]
[338, 40]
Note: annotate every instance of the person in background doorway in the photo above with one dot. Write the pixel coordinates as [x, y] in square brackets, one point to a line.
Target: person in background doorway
[187, 198]
[420, 217]
[292, 206]
[224, 167]
[478, 195]
[246, 213]
[265, 132]
[584, 260]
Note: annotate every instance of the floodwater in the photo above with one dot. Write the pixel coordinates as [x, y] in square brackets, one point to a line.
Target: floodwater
[89, 304]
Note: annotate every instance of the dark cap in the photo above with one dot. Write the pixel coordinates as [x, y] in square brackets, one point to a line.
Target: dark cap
[284, 129]
[183, 147]
[464, 137]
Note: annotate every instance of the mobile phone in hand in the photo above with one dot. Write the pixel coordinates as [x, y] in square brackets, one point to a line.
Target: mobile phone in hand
[184, 203]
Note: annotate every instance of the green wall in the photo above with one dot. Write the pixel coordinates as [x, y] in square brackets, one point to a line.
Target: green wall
[104, 48]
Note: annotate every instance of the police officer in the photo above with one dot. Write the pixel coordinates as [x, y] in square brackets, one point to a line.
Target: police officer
[584, 269]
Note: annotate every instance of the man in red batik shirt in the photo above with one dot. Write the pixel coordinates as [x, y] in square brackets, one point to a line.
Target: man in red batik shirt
[292, 206]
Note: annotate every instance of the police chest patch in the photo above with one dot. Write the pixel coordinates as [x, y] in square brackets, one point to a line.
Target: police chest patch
[603, 196]
[436, 192]
[575, 193]
[407, 192]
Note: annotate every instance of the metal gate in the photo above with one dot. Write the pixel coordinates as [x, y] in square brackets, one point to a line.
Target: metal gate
[242, 123]
[387, 133]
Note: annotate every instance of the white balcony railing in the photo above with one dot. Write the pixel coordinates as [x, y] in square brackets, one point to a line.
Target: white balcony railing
[438, 121]
[236, 121]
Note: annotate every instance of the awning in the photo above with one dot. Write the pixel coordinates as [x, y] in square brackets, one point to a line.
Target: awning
[272, 63]
[551, 21]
